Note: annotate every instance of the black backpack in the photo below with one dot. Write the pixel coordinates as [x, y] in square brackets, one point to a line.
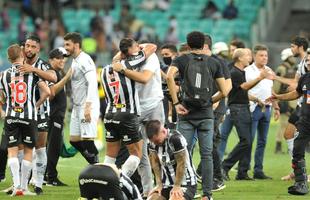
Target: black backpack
[197, 83]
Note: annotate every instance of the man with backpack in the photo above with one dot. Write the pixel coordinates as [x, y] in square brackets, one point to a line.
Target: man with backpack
[194, 107]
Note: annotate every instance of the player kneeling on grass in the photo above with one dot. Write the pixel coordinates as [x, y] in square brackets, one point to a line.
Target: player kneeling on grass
[300, 186]
[170, 161]
[105, 181]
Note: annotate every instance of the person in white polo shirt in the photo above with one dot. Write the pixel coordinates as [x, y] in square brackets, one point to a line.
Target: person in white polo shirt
[261, 114]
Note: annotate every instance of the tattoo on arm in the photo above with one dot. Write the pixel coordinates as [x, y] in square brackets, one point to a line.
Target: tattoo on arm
[180, 158]
[154, 160]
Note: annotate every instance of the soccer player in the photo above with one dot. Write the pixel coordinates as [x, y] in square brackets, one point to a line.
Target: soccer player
[121, 118]
[300, 186]
[149, 87]
[34, 64]
[299, 46]
[85, 111]
[171, 164]
[21, 116]
[105, 181]
[58, 104]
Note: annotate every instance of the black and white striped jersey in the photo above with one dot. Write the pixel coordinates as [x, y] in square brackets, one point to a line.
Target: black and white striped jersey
[19, 90]
[129, 189]
[175, 143]
[301, 70]
[120, 91]
[44, 109]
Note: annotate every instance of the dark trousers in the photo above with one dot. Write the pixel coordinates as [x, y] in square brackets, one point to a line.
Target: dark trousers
[300, 143]
[55, 142]
[217, 162]
[241, 118]
[3, 156]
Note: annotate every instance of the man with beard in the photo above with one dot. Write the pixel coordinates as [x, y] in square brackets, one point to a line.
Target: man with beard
[299, 47]
[34, 64]
[85, 111]
[300, 186]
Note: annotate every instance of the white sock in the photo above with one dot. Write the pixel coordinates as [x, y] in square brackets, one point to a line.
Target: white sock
[41, 161]
[290, 144]
[34, 175]
[14, 167]
[109, 160]
[130, 166]
[26, 168]
[20, 156]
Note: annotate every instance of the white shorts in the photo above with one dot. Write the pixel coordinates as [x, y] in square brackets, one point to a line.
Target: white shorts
[78, 126]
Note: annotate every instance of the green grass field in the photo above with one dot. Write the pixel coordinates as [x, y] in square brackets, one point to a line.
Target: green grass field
[274, 165]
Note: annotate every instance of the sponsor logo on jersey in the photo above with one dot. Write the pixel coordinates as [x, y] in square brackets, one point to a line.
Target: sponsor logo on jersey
[90, 180]
[18, 109]
[13, 121]
[42, 125]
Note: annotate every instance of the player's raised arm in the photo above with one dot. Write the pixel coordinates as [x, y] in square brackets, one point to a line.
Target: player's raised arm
[44, 93]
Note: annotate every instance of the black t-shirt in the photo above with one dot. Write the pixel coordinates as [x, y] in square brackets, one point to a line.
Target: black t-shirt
[215, 67]
[221, 108]
[303, 88]
[58, 104]
[237, 95]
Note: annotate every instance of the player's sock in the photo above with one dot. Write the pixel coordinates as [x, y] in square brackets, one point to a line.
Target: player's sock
[131, 164]
[14, 166]
[26, 168]
[20, 156]
[34, 174]
[92, 152]
[78, 145]
[90, 146]
[41, 161]
[290, 146]
[109, 160]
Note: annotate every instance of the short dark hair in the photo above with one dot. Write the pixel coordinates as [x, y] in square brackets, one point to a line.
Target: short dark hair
[237, 43]
[300, 41]
[183, 47]
[208, 41]
[152, 128]
[195, 40]
[171, 47]
[74, 37]
[33, 37]
[125, 44]
[259, 47]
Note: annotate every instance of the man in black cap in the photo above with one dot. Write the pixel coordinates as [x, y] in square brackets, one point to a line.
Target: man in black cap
[57, 113]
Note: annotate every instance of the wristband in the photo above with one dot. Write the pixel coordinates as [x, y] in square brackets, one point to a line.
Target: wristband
[177, 103]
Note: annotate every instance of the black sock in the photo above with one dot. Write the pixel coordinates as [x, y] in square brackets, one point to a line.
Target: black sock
[78, 145]
[90, 146]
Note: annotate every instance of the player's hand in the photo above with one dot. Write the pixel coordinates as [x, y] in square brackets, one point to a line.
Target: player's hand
[26, 68]
[87, 112]
[271, 99]
[69, 73]
[156, 189]
[181, 110]
[2, 113]
[276, 114]
[117, 67]
[176, 193]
